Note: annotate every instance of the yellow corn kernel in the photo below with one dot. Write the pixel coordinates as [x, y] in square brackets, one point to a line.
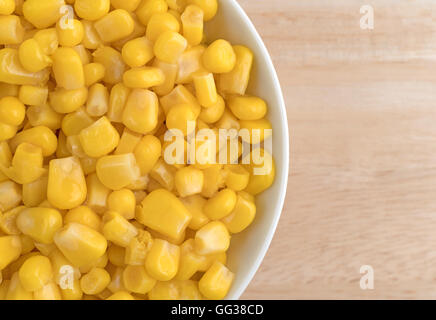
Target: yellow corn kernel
[5, 158]
[212, 238]
[247, 107]
[180, 95]
[236, 177]
[121, 295]
[138, 248]
[66, 183]
[113, 63]
[42, 13]
[33, 96]
[205, 89]
[68, 69]
[164, 213]
[80, 244]
[117, 101]
[220, 57]
[221, 204]
[73, 292]
[44, 115]
[144, 77]
[181, 118]
[70, 35]
[95, 281]
[99, 263]
[7, 7]
[262, 171]
[147, 8]
[35, 273]
[213, 113]
[94, 72]
[74, 146]
[117, 171]
[175, 290]
[15, 265]
[116, 255]
[162, 261]
[137, 52]
[10, 250]
[159, 23]
[97, 193]
[91, 39]
[213, 180]
[236, 81]
[98, 100]
[192, 22]
[216, 282]
[122, 201]
[138, 31]
[92, 136]
[39, 223]
[84, 54]
[26, 164]
[10, 195]
[91, 9]
[128, 142]
[189, 181]
[73, 123]
[141, 111]
[242, 216]
[12, 114]
[12, 72]
[258, 130]
[47, 40]
[169, 46]
[8, 90]
[8, 219]
[129, 5]
[117, 229]
[85, 216]
[66, 101]
[11, 30]
[170, 72]
[137, 280]
[16, 290]
[190, 261]
[195, 205]
[40, 136]
[164, 174]
[209, 7]
[114, 26]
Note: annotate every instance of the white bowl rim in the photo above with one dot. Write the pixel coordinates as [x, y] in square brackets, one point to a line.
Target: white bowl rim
[236, 294]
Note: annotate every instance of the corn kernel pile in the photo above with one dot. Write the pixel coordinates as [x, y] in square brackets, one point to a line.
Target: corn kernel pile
[89, 209]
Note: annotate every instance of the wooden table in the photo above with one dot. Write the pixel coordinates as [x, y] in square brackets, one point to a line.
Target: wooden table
[362, 114]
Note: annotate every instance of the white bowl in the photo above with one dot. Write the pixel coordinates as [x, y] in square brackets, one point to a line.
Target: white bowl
[248, 248]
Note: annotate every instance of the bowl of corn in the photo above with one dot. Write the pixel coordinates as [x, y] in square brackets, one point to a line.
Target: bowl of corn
[97, 98]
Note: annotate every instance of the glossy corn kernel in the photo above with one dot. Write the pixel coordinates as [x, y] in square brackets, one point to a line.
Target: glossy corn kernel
[91, 9]
[95, 281]
[7, 7]
[83, 215]
[33, 96]
[144, 77]
[68, 69]
[39, 223]
[262, 172]
[258, 130]
[11, 30]
[117, 100]
[35, 273]
[180, 95]
[31, 56]
[159, 23]
[128, 142]
[147, 8]
[117, 171]
[169, 46]
[247, 107]
[47, 40]
[80, 244]
[49, 292]
[138, 248]
[192, 22]
[190, 261]
[66, 183]
[216, 282]
[190, 63]
[73, 292]
[236, 81]
[213, 180]
[220, 205]
[117, 229]
[94, 72]
[236, 177]
[42, 13]
[98, 100]
[74, 146]
[181, 118]
[189, 181]
[91, 39]
[136, 280]
[212, 238]
[97, 193]
[141, 111]
[195, 205]
[115, 25]
[8, 221]
[66, 101]
[70, 36]
[73, 123]
[10, 250]
[213, 113]
[163, 212]
[129, 5]
[206, 89]
[122, 201]
[91, 138]
[40, 136]
[121, 295]
[10, 195]
[175, 290]
[242, 215]
[44, 115]
[163, 174]
[147, 152]
[16, 290]
[113, 63]
[162, 261]
[137, 52]
[12, 113]
[170, 72]
[209, 7]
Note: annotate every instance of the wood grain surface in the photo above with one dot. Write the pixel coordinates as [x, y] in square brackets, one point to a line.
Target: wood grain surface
[362, 114]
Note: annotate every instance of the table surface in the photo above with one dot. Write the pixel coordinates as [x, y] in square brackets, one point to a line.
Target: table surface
[362, 114]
